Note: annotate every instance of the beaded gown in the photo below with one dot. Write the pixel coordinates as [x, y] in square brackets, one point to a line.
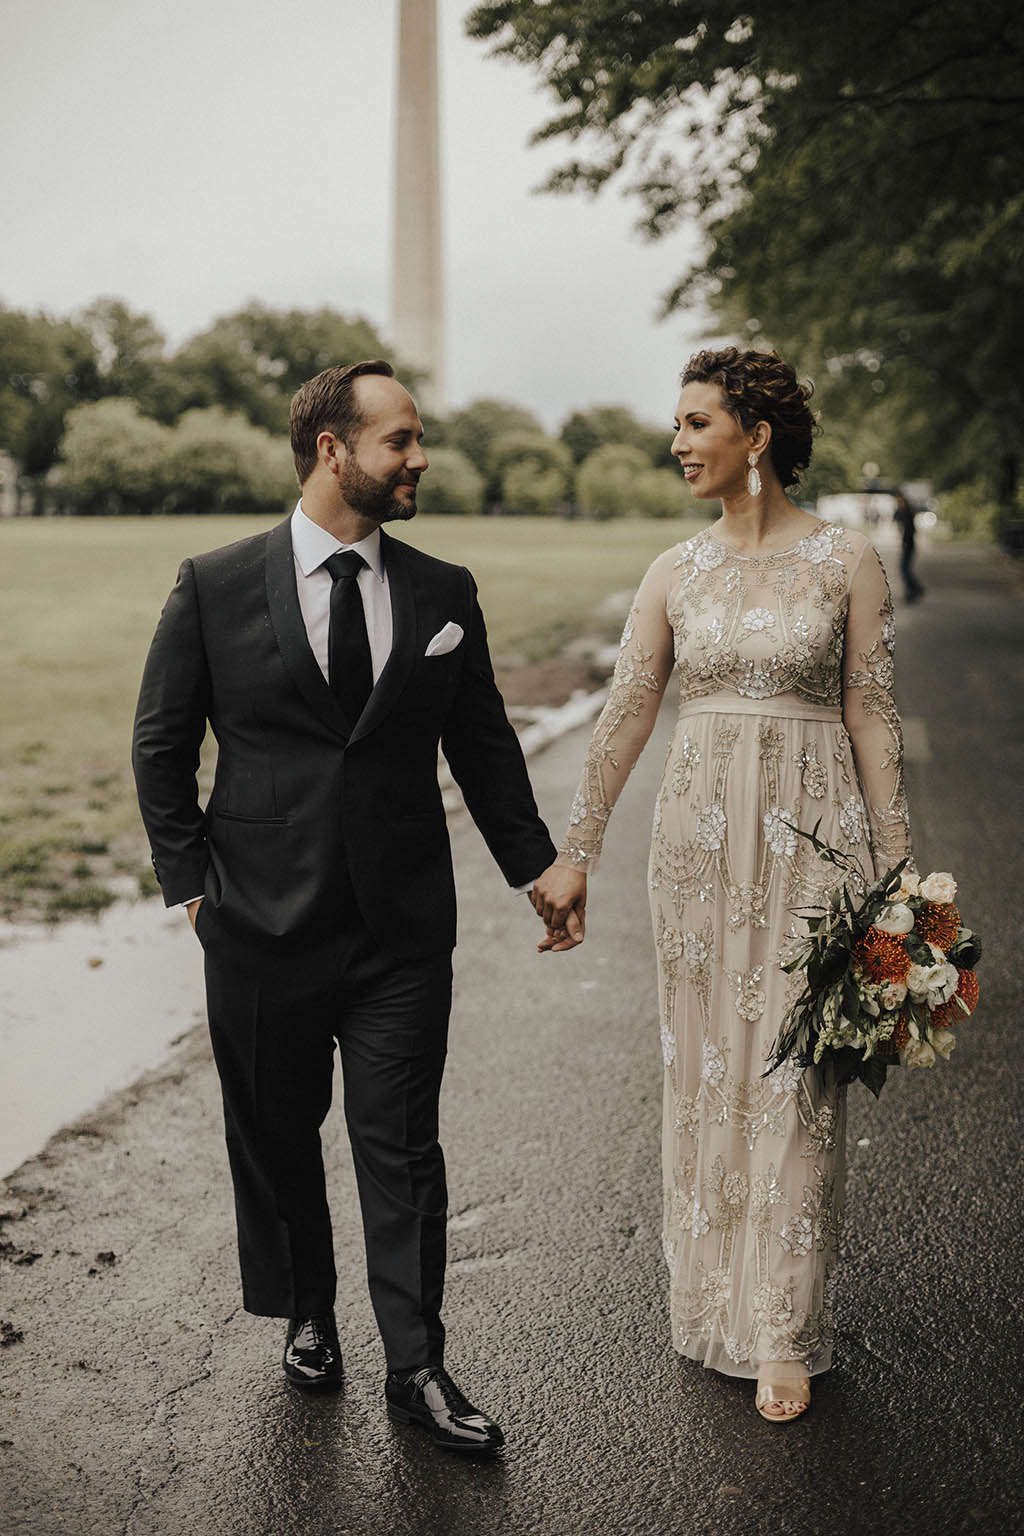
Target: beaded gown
[786, 716]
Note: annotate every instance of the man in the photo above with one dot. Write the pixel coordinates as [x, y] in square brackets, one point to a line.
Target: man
[329, 661]
[906, 521]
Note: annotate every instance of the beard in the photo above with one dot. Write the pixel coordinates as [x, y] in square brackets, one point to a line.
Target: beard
[376, 499]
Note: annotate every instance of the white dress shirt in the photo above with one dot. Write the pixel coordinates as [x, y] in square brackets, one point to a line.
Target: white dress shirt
[311, 546]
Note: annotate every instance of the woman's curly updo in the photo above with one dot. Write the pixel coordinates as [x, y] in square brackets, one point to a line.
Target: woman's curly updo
[759, 386]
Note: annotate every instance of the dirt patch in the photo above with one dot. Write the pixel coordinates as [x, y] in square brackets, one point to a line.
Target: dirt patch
[548, 683]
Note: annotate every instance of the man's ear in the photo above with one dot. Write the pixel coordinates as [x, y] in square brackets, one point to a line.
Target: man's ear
[330, 451]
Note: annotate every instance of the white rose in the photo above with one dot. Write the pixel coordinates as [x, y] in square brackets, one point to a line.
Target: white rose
[896, 919]
[910, 884]
[945, 985]
[892, 995]
[940, 888]
[933, 984]
[943, 1041]
[917, 1053]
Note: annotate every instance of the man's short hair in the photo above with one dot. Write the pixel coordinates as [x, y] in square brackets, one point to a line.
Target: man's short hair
[328, 404]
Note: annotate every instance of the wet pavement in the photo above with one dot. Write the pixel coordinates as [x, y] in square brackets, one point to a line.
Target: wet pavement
[137, 1397]
[85, 1007]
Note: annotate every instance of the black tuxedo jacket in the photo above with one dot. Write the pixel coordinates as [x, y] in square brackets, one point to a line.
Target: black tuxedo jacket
[309, 807]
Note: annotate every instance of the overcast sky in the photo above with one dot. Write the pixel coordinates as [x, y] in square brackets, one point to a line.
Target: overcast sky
[193, 155]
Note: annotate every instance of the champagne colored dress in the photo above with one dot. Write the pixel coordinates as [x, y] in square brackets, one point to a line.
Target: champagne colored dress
[786, 717]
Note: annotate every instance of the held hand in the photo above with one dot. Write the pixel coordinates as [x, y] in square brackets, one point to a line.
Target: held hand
[558, 939]
[556, 893]
[192, 909]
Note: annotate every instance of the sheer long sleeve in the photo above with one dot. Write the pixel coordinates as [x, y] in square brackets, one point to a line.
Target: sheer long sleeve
[869, 711]
[642, 671]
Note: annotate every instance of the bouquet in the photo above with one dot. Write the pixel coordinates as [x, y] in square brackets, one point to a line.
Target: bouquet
[887, 978]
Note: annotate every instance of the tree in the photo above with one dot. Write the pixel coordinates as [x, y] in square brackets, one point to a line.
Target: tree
[473, 429]
[114, 459]
[220, 462]
[584, 431]
[46, 366]
[131, 360]
[542, 456]
[530, 490]
[659, 493]
[607, 481]
[254, 360]
[451, 484]
[857, 183]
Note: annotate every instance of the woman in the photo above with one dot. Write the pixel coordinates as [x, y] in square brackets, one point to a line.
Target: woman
[780, 628]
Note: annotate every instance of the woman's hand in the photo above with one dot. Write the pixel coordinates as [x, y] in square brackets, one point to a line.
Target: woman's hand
[559, 898]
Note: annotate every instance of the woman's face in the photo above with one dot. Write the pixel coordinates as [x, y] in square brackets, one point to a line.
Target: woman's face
[710, 444]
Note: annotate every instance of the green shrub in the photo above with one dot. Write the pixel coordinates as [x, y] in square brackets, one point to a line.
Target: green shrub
[969, 512]
[451, 484]
[607, 481]
[533, 470]
[528, 490]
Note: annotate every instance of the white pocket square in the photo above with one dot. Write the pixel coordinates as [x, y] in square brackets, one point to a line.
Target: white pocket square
[445, 640]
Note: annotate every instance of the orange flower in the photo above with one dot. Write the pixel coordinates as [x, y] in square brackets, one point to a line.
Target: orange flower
[882, 956]
[951, 1014]
[938, 923]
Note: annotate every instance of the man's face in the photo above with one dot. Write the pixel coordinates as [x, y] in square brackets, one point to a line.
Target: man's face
[380, 472]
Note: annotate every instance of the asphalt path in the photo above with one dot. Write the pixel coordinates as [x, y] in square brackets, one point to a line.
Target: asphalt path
[138, 1397]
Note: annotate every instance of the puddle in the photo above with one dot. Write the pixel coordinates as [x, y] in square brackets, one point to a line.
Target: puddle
[84, 1009]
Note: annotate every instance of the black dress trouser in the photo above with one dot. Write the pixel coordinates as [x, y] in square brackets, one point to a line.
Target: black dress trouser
[274, 1019]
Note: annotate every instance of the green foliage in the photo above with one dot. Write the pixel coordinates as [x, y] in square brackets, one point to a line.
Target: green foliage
[833, 469]
[536, 449]
[474, 428]
[221, 463]
[857, 182]
[529, 490]
[46, 367]
[117, 461]
[114, 459]
[584, 431]
[608, 481]
[254, 360]
[969, 512]
[451, 484]
[250, 363]
[659, 493]
[130, 359]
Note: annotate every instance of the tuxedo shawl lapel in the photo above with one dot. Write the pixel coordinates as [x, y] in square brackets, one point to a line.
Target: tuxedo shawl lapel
[293, 643]
[403, 638]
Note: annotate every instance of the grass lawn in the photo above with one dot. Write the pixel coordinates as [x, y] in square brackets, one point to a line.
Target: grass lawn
[79, 599]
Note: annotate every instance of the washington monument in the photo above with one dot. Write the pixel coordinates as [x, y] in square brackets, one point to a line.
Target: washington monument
[417, 300]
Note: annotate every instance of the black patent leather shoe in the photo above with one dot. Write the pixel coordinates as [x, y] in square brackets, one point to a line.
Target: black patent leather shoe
[430, 1397]
[312, 1355]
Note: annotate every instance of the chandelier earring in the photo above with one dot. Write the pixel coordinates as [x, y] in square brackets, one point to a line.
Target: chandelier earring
[753, 477]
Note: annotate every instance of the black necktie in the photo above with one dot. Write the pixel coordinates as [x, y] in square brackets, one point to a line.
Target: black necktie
[349, 667]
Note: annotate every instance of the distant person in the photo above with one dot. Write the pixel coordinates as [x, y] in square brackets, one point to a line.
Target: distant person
[329, 661]
[906, 521]
[779, 627]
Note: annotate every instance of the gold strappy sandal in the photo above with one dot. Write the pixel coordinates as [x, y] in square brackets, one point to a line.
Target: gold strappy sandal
[796, 1390]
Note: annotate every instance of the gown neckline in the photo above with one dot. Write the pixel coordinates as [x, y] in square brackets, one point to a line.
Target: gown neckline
[772, 554]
